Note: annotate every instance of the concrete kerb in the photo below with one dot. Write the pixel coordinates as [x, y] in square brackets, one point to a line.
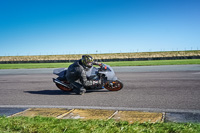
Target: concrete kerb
[101, 114]
[104, 113]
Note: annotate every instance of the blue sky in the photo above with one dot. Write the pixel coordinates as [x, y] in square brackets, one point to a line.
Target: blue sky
[44, 27]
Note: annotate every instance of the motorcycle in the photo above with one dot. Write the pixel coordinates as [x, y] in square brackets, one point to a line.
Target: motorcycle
[104, 72]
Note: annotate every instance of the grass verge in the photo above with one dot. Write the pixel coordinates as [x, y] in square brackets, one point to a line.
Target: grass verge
[52, 125]
[118, 63]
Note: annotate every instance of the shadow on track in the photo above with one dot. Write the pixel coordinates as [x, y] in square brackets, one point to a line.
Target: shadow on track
[58, 92]
[50, 92]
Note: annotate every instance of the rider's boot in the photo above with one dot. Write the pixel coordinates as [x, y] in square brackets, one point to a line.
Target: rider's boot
[80, 91]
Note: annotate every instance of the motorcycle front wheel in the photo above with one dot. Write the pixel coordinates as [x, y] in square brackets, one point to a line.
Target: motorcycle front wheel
[114, 86]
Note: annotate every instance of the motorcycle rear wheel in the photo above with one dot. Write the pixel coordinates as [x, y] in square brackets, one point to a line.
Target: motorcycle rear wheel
[117, 85]
[63, 88]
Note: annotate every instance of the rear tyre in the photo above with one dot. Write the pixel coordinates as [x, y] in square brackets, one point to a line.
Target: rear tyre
[63, 88]
[114, 86]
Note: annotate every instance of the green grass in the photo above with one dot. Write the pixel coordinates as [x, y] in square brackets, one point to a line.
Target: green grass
[118, 63]
[33, 65]
[155, 62]
[52, 125]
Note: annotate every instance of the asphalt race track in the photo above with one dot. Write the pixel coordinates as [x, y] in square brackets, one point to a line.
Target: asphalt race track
[150, 88]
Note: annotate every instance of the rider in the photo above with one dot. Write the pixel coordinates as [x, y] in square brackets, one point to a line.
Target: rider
[76, 74]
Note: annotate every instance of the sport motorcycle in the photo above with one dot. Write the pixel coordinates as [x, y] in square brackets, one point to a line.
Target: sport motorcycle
[104, 72]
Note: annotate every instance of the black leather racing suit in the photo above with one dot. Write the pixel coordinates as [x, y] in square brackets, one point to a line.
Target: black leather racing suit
[76, 75]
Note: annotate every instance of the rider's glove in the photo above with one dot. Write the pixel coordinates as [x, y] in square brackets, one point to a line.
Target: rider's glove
[96, 63]
[100, 64]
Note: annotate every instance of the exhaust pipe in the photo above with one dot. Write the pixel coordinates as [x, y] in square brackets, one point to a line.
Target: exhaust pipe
[60, 83]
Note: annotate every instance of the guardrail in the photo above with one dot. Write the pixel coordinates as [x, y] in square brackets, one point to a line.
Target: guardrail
[104, 60]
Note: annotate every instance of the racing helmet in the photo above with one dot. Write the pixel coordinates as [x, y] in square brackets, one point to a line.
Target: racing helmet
[87, 61]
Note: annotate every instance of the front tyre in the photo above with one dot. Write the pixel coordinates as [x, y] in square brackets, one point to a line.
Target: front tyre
[114, 85]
